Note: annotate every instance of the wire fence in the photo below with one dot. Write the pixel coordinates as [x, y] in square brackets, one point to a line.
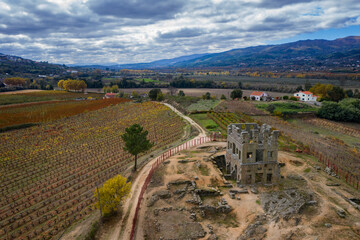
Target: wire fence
[341, 173]
[187, 145]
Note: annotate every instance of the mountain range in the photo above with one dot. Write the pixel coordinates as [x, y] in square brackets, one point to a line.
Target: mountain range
[342, 54]
[305, 55]
[18, 66]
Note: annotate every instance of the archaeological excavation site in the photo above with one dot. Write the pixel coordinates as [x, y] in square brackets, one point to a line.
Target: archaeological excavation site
[245, 188]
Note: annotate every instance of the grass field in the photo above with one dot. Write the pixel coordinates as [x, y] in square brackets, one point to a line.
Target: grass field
[49, 172]
[287, 107]
[148, 80]
[351, 141]
[6, 99]
[203, 105]
[206, 122]
[49, 111]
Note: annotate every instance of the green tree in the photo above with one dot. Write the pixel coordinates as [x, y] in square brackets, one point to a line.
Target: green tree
[115, 89]
[299, 88]
[223, 97]
[356, 93]
[134, 94]
[285, 97]
[154, 93]
[112, 193]
[270, 108]
[349, 93]
[240, 84]
[160, 97]
[107, 89]
[307, 85]
[136, 141]
[181, 93]
[336, 94]
[206, 96]
[237, 93]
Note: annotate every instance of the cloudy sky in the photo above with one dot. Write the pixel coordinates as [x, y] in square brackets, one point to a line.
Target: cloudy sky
[130, 31]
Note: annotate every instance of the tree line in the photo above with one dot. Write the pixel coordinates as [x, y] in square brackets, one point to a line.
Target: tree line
[75, 85]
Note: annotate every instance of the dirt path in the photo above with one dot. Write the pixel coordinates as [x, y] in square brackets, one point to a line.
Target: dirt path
[130, 204]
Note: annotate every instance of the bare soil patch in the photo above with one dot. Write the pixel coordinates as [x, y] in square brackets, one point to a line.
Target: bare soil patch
[314, 212]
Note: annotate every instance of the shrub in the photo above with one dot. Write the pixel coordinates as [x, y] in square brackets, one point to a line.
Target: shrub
[285, 97]
[270, 108]
[346, 110]
[154, 93]
[292, 98]
[211, 126]
[112, 193]
[237, 93]
[181, 93]
[160, 97]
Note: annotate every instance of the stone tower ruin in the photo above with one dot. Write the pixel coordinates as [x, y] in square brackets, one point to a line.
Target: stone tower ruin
[252, 153]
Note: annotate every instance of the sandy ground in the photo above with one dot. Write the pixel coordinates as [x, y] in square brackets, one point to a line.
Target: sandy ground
[21, 91]
[312, 220]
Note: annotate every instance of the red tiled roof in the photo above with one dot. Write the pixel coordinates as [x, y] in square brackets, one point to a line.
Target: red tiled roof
[255, 93]
[306, 92]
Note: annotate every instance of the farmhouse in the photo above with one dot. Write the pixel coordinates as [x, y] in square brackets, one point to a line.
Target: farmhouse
[259, 96]
[251, 154]
[110, 95]
[306, 96]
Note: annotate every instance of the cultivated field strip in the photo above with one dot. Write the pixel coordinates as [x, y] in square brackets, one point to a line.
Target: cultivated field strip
[329, 150]
[335, 126]
[48, 173]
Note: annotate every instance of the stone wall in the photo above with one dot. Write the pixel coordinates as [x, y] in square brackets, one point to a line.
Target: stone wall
[252, 152]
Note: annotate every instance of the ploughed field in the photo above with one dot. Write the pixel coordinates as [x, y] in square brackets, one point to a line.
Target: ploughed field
[35, 112]
[48, 173]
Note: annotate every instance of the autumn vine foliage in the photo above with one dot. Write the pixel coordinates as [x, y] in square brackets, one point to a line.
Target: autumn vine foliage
[112, 194]
[49, 172]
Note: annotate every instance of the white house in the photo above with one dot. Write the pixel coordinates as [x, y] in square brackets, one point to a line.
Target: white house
[306, 96]
[109, 95]
[259, 96]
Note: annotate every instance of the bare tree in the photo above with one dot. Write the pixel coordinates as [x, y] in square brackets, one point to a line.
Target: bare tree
[172, 90]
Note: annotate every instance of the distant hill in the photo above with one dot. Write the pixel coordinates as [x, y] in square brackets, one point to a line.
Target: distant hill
[17, 66]
[307, 53]
[300, 55]
[164, 63]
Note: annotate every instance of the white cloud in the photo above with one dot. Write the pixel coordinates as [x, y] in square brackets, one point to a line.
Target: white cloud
[103, 31]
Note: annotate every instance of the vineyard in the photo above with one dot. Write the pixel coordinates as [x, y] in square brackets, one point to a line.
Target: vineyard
[223, 119]
[338, 127]
[6, 99]
[51, 110]
[48, 173]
